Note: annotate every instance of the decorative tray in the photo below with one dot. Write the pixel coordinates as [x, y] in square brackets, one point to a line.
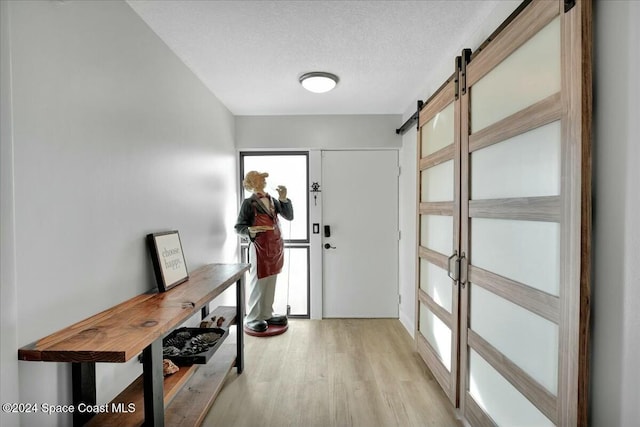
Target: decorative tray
[188, 346]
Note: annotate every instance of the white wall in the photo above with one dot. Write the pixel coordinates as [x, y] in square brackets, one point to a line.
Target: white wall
[616, 232]
[8, 291]
[322, 132]
[110, 137]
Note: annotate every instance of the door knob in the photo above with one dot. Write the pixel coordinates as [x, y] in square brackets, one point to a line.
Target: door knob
[328, 246]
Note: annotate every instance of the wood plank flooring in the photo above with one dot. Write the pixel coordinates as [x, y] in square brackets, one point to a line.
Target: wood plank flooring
[333, 372]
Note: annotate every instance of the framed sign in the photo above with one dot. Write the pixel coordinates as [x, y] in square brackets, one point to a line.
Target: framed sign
[168, 259]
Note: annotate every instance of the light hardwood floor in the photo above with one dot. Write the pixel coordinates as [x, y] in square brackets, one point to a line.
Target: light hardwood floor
[332, 372]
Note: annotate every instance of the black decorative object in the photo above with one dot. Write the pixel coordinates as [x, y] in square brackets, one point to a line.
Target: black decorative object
[188, 346]
[168, 259]
[315, 188]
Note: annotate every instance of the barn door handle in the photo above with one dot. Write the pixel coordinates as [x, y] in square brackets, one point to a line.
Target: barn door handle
[464, 269]
[455, 274]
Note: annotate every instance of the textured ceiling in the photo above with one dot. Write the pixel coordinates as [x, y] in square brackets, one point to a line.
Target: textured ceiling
[251, 53]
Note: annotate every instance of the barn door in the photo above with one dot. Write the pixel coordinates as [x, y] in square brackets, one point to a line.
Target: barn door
[525, 220]
[437, 328]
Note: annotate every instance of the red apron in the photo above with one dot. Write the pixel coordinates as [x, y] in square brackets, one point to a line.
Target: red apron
[269, 246]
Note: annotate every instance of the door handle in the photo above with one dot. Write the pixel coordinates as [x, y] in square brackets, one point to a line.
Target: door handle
[456, 270]
[328, 246]
[463, 263]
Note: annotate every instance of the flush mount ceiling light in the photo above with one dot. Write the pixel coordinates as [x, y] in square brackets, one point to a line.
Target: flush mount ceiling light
[318, 82]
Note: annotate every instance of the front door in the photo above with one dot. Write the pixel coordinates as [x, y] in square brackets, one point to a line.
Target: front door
[360, 233]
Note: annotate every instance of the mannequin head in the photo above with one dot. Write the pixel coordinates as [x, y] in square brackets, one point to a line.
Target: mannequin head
[255, 181]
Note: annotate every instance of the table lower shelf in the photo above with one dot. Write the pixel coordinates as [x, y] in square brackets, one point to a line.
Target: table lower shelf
[191, 405]
[188, 393]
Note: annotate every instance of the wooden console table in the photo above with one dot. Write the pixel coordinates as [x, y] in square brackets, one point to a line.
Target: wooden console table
[137, 326]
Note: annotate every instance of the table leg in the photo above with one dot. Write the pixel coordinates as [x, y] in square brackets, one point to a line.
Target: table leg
[83, 389]
[240, 324]
[153, 384]
[204, 311]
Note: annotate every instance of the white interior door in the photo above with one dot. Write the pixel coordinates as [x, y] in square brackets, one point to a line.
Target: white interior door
[360, 207]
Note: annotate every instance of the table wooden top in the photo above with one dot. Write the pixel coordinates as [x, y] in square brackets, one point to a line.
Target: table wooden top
[123, 331]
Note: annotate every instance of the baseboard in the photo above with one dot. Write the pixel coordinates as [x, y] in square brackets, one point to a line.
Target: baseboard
[408, 324]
